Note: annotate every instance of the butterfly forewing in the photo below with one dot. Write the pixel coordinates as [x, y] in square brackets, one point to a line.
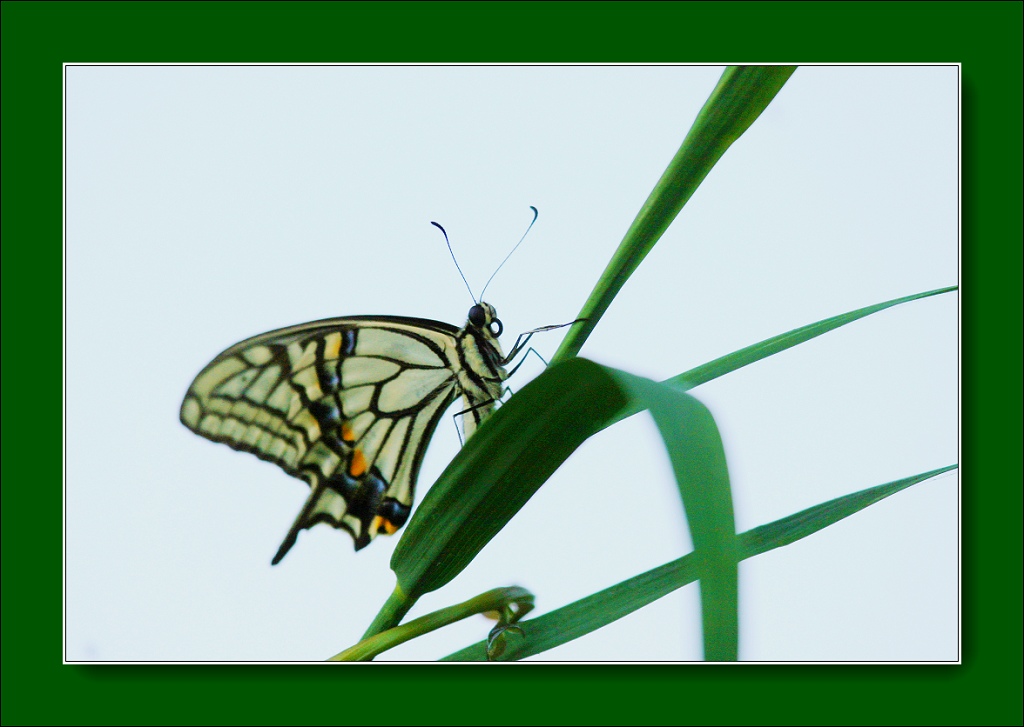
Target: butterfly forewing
[348, 405]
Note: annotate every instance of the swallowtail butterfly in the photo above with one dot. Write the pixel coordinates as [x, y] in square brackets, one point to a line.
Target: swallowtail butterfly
[349, 405]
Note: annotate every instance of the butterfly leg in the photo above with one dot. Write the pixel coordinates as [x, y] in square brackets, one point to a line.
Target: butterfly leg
[497, 402]
[458, 431]
[518, 346]
[530, 350]
[480, 405]
[525, 337]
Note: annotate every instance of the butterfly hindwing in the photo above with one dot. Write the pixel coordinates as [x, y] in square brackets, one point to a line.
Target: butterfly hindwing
[347, 404]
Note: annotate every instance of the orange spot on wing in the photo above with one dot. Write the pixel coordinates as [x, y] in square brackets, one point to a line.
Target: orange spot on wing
[347, 434]
[358, 464]
[380, 523]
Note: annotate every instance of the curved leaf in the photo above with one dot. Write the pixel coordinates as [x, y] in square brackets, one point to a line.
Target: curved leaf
[698, 460]
[486, 484]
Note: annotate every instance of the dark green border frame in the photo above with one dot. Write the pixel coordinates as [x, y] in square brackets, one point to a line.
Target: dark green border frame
[38, 37]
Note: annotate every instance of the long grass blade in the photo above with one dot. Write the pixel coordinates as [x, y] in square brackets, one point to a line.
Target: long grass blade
[776, 344]
[741, 95]
[604, 607]
[746, 356]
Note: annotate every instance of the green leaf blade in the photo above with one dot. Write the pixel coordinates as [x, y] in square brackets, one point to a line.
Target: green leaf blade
[798, 526]
[776, 344]
[590, 613]
[499, 469]
[742, 93]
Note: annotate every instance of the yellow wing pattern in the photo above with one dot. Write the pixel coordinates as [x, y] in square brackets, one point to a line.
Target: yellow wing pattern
[347, 404]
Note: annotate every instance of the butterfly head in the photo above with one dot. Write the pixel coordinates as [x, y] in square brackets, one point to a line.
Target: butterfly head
[483, 317]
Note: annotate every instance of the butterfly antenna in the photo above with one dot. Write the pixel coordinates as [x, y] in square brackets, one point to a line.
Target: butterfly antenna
[455, 261]
[510, 254]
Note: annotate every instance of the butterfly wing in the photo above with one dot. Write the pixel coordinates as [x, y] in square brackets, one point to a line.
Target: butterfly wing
[346, 404]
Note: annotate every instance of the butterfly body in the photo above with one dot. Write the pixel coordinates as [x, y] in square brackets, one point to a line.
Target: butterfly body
[349, 405]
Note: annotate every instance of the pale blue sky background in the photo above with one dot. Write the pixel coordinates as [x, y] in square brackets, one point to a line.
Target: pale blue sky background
[208, 204]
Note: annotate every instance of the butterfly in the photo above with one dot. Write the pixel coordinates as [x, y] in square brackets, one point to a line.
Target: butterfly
[350, 404]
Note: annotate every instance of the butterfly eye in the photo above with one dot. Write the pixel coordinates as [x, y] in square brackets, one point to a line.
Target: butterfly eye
[500, 328]
[477, 316]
